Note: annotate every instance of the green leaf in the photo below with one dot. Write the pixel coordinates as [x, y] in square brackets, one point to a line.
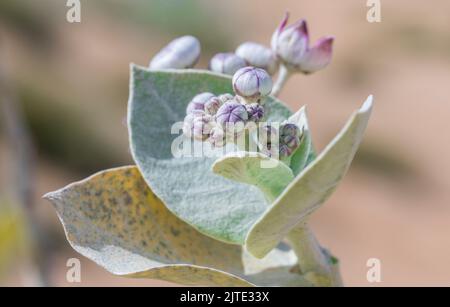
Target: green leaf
[114, 219]
[311, 187]
[271, 176]
[214, 205]
[299, 159]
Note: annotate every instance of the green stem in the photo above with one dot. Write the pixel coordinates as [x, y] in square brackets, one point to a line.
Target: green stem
[283, 76]
[313, 262]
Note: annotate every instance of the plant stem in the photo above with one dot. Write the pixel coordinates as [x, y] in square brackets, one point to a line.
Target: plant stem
[313, 262]
[283, 76]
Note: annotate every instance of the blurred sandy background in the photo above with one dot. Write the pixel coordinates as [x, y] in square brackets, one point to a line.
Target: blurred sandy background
[71, 82]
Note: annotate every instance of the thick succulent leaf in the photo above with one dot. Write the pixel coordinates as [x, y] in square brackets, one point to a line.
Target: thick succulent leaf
[214, 205]
[271, 176]
[299, 159]
[114, 219]
[311, 187]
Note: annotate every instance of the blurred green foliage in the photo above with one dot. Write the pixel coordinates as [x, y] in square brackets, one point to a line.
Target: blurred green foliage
[28, 20]
[175, 18]
[61, 134]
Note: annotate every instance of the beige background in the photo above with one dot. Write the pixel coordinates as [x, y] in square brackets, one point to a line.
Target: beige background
[394, 203]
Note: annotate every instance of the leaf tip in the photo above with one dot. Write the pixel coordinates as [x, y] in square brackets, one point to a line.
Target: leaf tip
[367, 105]
[52, 196]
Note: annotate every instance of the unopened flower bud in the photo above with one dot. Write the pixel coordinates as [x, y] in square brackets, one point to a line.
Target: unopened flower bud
[180, 53]
[289, 139]
[258, 55]
[225, 97]
[255, 112]
[188, 124]
[288, 145]
[290, 43]
[291, 46]
[290, 130]
[285, 151]
[198, 102]
[252, 83]
[217, 137]
[213, 105]
[226, 63]
[201, 127]
[232, 116]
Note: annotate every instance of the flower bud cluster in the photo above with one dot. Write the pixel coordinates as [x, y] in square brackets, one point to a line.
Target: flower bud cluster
[217, 118]
[290, 52]
[282, 142]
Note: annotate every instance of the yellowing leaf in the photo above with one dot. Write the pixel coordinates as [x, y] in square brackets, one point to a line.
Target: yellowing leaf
[114, 219]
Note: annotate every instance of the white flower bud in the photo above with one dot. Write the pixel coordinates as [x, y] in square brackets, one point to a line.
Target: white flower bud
[201, 127]
[258, 55]
[198, 102]
[212, 105]
[197, 125]
[180, 53]
[188, 123]
[226, 63]
[252, 83]
[217, 137]
[225, 97]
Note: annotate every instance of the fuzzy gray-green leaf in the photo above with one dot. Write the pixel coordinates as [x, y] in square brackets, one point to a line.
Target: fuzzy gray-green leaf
[214, 205]
[299, 159]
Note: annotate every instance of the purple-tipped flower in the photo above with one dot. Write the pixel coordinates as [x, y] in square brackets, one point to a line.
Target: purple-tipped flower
[258, 55]
[318, 57]
[255, 112]
[232, 116]
[226, 63]
[291, 45]
[198, 102]
[252, 83]
[180, 53]
[213, 105]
